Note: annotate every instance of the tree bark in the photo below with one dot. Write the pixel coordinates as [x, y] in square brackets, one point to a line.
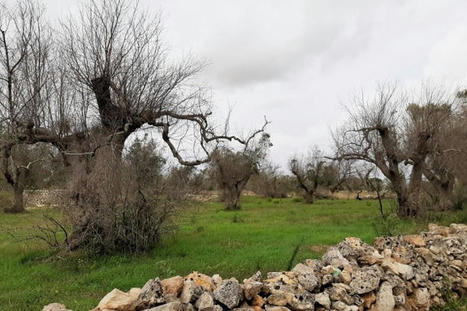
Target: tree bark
[18, 206]
[309, 197]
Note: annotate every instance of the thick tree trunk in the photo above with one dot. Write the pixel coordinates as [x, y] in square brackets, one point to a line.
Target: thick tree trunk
[232, 198]
[407, 204]
[18, 183]
[309, 197]
[94, 188]
[18, 206]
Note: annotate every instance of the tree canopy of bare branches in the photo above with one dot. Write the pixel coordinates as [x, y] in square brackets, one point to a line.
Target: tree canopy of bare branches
[314, 170]
[397, 135]
[233, 169]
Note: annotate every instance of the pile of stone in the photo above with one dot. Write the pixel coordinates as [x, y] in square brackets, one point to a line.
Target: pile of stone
[397, 273]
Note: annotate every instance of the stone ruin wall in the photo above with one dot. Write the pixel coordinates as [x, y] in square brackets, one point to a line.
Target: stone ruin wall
[402, 273]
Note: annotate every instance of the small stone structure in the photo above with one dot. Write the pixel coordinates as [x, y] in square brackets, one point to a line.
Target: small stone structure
[44, 197]
[400, 273]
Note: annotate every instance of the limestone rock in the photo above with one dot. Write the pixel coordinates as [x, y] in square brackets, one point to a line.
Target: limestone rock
[421, 299]
[416, 240]
[384, 299]
[229, 293]
[151, 294]
[279, 298]
[405, 271]
[365, 280]
[203, 280]
[55, 307]
[340, 292]
[334, 258]
[252, 286]
[324, 300]
[120, 301]
[301, 300]
[369, 299]
[171, 306]
[309, 281]
[205, 302]
[172, 286]
[257, 301]
[190, 292]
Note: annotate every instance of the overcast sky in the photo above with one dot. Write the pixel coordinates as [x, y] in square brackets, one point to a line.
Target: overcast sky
[300, 61]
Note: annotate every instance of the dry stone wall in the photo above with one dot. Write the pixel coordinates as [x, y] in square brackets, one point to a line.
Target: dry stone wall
[400, 273]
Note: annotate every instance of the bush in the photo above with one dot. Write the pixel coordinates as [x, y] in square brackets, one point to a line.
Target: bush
[131, 225]
[122, 204]
[389, 224]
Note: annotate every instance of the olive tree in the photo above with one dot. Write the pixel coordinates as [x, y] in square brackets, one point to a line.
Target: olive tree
[233, 169]
[396, 134]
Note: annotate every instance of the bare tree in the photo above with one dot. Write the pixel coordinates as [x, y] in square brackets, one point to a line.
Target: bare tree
[25, 71]
[114, 52]
[270, 183]
[308, 171]
[110, 76]
[396, 135]
[233, 169]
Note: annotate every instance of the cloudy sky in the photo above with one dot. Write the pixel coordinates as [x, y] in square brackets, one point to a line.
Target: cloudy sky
[299, 62]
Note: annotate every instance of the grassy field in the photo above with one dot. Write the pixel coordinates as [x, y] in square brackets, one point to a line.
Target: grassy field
[263, 235]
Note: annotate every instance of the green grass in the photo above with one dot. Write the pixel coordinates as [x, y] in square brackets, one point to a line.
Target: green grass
[263, 235]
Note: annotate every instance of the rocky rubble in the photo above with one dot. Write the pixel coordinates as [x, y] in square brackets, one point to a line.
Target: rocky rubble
[400, 273]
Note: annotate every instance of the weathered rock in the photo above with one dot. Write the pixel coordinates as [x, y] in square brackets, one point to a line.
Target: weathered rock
[309, 281]
[339, 306]
[55, 307]
[190, 292]
[415, 239]
[405, 271]
[172, 286]
[435, 229]
[258, 301]
[203, 280]
[252, 286]
[217, 280]
[151, 294]
[189, 307]
[303, 269]
[279, 298]
[334, 258]
[365, 279]
[324, 300]
[275, 308]
[120, 301]
[346, 275]
[420, 299]
[205, 302]
[171, 306]
[229, 293]
[369, 299]
[384, 299]
[340, 292]
[457, 228]
[301, 300]
[399, 300]
[278, 282]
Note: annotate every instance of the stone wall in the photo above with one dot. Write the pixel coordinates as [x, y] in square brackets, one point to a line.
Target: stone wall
[44, 197]
[397, 273]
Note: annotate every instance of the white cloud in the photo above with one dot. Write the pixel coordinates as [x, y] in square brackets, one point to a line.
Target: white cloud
[299, 61]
